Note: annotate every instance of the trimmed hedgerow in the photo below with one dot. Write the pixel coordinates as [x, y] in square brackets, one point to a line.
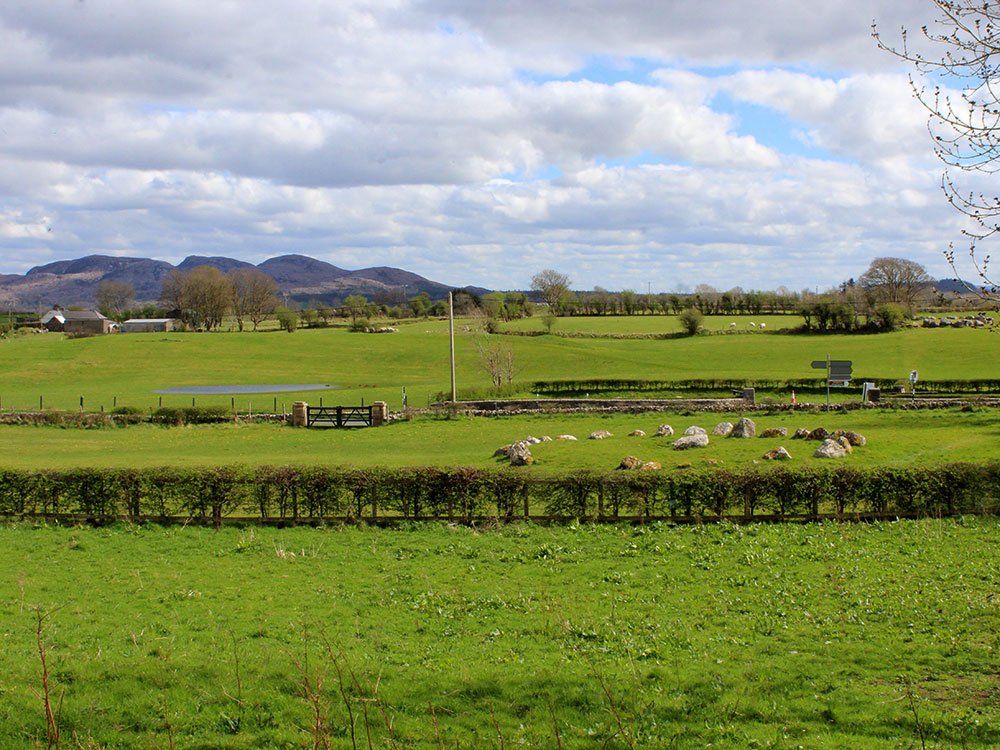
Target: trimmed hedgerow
[462, 493]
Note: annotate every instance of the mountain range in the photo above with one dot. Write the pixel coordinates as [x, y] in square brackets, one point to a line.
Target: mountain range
[299, 278]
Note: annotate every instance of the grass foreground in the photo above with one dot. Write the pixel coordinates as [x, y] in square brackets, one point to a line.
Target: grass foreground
[815, 636]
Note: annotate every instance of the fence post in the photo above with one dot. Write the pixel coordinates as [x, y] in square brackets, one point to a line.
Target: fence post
[340, 416]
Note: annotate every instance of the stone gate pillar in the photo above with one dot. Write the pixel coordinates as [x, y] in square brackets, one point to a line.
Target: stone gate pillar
[300, 414]
[380, 413]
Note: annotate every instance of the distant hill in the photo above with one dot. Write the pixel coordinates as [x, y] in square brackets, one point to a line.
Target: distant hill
[223, 264]
[300, 270]
[955, 286]
[299, 278]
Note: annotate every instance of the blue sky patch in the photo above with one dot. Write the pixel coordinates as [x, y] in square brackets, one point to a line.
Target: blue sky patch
[602, 69]
[769, 127]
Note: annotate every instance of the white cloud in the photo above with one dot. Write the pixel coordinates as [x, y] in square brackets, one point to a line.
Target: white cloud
[417, 134]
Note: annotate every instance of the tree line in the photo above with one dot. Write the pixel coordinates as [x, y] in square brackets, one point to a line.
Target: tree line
[889, 291]
[881, 298]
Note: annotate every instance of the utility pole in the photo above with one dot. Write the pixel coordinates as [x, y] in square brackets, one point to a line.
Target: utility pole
[451, 336]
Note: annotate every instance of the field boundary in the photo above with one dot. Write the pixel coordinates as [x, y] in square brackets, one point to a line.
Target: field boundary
[303, 494]
[479, 521]
[513, 407]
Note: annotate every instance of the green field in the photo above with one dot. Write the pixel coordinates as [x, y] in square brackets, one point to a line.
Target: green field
[655, 324]
[895, 438]
[127, 368]
[818, 636]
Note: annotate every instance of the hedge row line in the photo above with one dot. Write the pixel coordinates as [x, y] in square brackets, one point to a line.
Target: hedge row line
[270, 492]
[599, 385]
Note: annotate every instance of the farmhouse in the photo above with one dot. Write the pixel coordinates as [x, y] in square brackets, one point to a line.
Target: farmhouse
[75, 321]
[148, 325]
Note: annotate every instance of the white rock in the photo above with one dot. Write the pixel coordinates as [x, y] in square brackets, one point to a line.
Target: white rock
[691, 441]
[830, 449]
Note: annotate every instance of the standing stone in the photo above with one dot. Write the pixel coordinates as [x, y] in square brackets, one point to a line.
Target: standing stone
[818, 434]
[599, 434]
[637, 433]
[771, 432]
[777, 454]
[745, 428]
[695, 430]
[691, 441]
[519, 454]
[830, 449]
[630, 462]
[664, 430]
[723, 429]
[856, 438]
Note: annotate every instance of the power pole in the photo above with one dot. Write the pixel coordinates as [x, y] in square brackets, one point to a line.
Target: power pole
[451, 336]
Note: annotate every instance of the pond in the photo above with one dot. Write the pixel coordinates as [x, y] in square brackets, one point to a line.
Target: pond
[204, 390]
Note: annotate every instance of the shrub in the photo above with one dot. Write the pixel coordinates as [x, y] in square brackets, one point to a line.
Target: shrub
[690, 320]
[128, 414]
[288, 320]
[890, 317]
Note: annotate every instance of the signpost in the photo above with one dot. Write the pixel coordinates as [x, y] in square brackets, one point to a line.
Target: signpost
[839, 373]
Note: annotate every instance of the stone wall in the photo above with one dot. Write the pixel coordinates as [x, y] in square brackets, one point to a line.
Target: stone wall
[626, 406]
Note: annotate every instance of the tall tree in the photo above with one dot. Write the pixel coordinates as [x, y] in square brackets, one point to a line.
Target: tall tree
[895, 280]
[254, 295]
[966, 130]
[114, 297]
[202, 296]
[354, 306]
[211, 295]
[552, 285]
[172, 295]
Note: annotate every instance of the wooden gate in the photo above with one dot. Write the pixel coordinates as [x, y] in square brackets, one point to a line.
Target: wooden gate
[339, 416]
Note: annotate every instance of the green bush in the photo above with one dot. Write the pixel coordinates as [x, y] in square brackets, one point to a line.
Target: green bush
[128, 414]
[288, 320]
[890, 317]
[690, 320]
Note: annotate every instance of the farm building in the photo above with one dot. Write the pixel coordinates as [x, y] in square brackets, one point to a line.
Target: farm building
[148, 325]
[76, 321]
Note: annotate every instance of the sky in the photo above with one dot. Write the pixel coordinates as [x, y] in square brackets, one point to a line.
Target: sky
[651, 145]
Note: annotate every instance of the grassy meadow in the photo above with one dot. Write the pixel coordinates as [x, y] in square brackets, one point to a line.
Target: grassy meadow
[128, 368]
[880, 636]
[426, 636]
[895, 438]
